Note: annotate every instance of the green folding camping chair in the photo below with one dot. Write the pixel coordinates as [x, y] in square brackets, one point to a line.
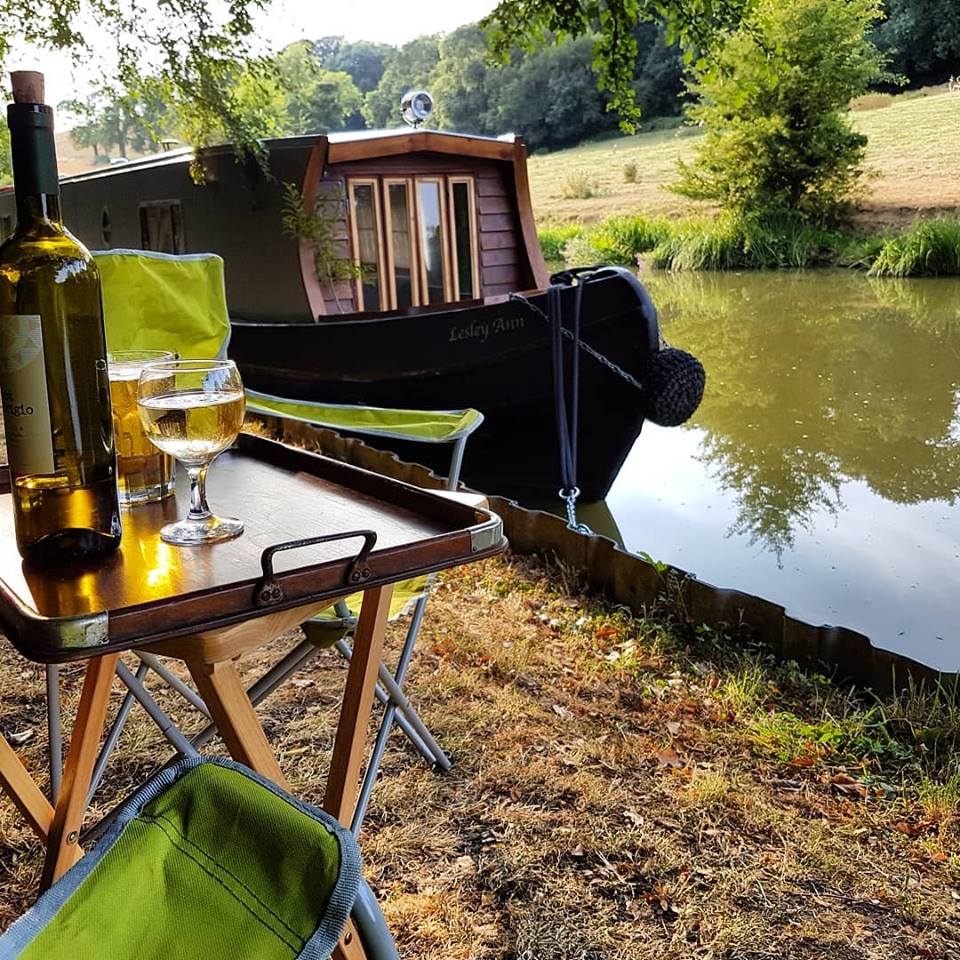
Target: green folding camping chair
[207, 861]
[153, 300]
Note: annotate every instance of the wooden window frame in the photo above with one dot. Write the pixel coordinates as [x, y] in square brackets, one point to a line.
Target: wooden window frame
[408, 184]
[374, 184]
[172, 204]
[440, 181]
[474, 239]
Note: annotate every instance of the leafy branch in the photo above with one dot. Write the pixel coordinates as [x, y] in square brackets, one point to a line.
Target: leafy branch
[318, 228]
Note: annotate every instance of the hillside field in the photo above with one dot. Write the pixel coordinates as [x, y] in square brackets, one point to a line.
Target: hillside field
[913, 155]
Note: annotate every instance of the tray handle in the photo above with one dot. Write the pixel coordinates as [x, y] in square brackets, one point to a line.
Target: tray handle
[269, 591]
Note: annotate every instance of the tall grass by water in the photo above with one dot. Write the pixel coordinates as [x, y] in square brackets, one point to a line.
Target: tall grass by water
[931, 249]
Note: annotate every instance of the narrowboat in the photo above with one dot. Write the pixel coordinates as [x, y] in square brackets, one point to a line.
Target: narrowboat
[380, 268]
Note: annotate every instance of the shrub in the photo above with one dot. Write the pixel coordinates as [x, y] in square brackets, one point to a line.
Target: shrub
[620, 239]
[579, 186]
[774, 101]
[931, 249]
[630, 171]
[580, 252]
[554, 238]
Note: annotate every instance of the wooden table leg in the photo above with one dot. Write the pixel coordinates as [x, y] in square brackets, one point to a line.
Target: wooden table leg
[63, 848]
[228, 703]
[343, 782]
[21, 788]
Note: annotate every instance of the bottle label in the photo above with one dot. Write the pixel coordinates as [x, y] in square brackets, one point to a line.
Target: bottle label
[23, 384]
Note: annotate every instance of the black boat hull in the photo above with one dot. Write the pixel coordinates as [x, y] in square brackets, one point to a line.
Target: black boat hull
[494, 357]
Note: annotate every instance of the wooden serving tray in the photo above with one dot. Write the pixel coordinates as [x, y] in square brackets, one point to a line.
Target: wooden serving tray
[150, 591]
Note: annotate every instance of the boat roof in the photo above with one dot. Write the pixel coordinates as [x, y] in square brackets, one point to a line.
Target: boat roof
[390, 141]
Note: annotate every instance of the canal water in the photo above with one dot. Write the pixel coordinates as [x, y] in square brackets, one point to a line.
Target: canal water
[823, 467]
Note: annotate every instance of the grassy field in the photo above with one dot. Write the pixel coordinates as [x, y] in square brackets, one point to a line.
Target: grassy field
[914, 153]
[623, 788]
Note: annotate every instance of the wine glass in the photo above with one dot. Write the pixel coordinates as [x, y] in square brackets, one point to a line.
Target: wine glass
[193, 410]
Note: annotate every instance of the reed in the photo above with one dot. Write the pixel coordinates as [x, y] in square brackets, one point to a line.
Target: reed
[931, 249]
[732, 243]
[554, 237]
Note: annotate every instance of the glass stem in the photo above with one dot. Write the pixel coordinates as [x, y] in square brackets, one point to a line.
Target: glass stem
[198, 493]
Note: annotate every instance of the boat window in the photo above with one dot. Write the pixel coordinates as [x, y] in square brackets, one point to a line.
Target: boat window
[366, 243]
[161, 226]
[400, 233]
[430, 208]
[464, 238]
[106, 227]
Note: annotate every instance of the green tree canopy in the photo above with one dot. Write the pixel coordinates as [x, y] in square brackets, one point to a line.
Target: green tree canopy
[773, 100]
[922, 38]
[317, 99]
[410, 67]
[530, 24]
[362, 60]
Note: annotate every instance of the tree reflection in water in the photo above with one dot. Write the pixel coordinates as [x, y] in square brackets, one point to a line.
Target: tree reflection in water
[818, 378]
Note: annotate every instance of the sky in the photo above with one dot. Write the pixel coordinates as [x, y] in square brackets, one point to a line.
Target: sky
[384, 21]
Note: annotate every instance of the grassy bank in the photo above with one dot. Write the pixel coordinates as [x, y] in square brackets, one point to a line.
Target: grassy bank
[624, 788]
[913, 150]
[931, 248]
[607, 201]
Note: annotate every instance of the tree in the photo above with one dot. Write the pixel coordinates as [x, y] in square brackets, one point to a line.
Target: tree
[922, 38]
[317, 99]
[773, 100]
[409, 67]
[363, 60]
[198, 49]
[530, 24]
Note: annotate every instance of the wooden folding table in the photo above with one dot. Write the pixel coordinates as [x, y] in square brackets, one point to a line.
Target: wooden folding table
[316, 530]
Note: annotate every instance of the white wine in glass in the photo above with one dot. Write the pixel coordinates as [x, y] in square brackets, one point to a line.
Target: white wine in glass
[193, 410]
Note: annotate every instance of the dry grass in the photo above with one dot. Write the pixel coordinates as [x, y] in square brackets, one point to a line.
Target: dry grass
[610, 796]
[914, 150]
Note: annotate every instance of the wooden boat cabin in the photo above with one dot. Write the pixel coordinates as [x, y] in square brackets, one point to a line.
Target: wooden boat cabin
[426, 218]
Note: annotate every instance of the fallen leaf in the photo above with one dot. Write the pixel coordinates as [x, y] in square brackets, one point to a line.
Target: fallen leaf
[21, 737]
[669, 757]
[846, 785]
[673, 728]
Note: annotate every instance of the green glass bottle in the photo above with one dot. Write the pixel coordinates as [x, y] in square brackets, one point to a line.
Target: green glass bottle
[53, 367]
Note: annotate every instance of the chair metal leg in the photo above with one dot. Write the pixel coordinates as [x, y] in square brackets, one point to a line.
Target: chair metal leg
[406, 717]
[184, 689]
[167, 727]
[54, 730]
[372, 927]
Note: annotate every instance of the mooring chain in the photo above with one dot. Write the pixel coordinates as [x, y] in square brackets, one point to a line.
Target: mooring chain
[596, 354]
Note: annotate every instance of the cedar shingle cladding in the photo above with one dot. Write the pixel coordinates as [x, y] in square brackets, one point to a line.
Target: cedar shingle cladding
[503, 265]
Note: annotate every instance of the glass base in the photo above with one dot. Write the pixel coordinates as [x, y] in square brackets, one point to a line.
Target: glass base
[151, 494]
[190, 533]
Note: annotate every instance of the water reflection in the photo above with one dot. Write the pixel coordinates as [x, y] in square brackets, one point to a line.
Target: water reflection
[822, 470]
[816, 380]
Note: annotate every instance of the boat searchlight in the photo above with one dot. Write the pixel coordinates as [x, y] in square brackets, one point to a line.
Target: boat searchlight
[416, 107]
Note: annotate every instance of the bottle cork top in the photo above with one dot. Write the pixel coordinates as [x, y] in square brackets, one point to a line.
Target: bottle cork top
[27, 86]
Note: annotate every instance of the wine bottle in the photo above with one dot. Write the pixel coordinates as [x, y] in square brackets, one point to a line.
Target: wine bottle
[53, 367]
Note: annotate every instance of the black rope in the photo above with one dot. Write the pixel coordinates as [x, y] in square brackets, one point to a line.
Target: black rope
[567, 420]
